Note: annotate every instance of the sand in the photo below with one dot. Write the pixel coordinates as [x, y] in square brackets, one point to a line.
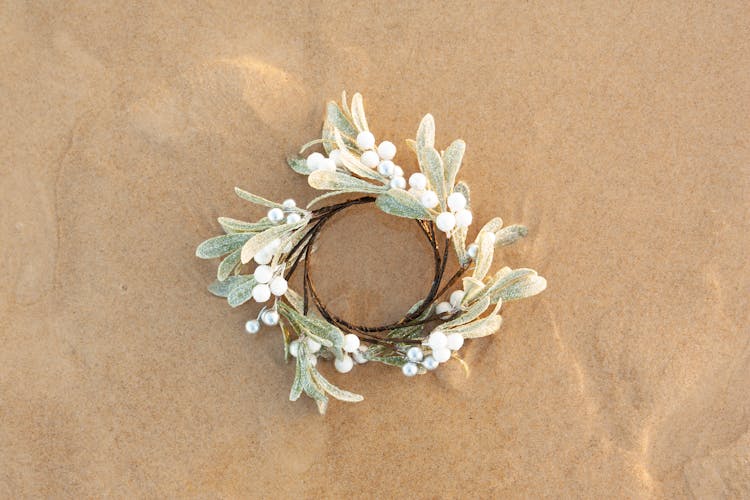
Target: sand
[617, 132]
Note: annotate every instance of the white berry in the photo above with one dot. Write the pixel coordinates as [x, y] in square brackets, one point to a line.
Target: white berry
[278, 286]
[472, 250]
[441, 354]
[312, 345]
[289, 204]
[343, 365]
[455, 341]
[414, 354]
[437, 339]
[456, 201]
[294, 348]
[446, 221]
[276, 215]
[351, 342]
[335, 155]
[443, 308]
[398, 171]
[429, 199]
[252, 326]
[418, 181]
[261, 293]
[327, 165]
[430, 363]
[464, 218]
[313, 160]
[456, 298]
[410, 369]
[264, 256]
[270, 317]
[263, 274]
[398, 183]
[386, 167]
[293, 218]
[365, 140]
[369, 159]
[387, 150]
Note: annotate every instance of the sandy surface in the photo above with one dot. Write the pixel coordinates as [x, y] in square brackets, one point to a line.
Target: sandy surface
[618, 134]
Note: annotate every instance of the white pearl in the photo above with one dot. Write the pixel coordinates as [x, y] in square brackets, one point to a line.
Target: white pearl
[327, 165]
[456, 201]
[252, 326]
[446, 221]
[263, 274]
[398, 183]
[293, 218]
[313, 160]
[441, 354]
[456, 298]
[270, 317]
[410, 369]
[359, 357]
[335, 155]
[276, 215]
[387, 150]
[365, 140]
[274, 245]
[437, 339]
[312, 345]
[430, 363]
[261, 293]
[351, 342]
[455, 341]
[443, 308]
[418, 181]
[414, 354]
[464, 218]
[288, 204]
[264, 256]
[386, 167]
[429, 199]
[472, 250]
[294, 348]
[278, 286]
[343, 365]
[398, 171]
[369, 159]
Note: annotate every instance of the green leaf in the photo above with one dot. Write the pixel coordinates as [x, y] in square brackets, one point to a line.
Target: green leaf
[473, 288]
[426, 133]
[242, 292]
[397, 361]
[238, 226]
[510, 235]
[524, 288]
[296, 390]
[452, 161]
[431, 166]
[402, 204]
[261, 240]
[493, 225]
[222, 288]
[469, 315]
[329, 194]
[506, 277]
[353, 164]
[299, 165]
[228, 265]
[321, 331]
[337, 119]
[334, 391]
[358, 112]
[481, 328]
[337, 181]
[486, 244]
[254, 198]
[221, 245]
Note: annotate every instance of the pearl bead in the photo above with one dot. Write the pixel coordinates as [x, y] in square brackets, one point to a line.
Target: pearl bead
[472, 250]
[429, 199]
[398, 183]
[294, 348]
[264, 256]
[437, 339]
[398, 171]
[335, 155]
[443, 308]
[261, 293]
[270, 317]
[327, 165]
[276, 215]
[418, 181]
[351, 342]
[386, 167]
[456, 201]
[387, 150]
[289, 204]
[365, 140]
[313, 160]
[359, 357]
[414, 354]
[430, 363]
[455, 341]
[464, 218]
[278, 286]
[263, 274]
[293, 218]
[343, 365]
[410, 369]
[369, 159]
[252, 326]
[441, 354]
[446, 221]
[456, 298]
[312, 345]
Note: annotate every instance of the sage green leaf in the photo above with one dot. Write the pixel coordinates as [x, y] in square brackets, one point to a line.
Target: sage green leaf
[521, 289]
[402, 204]
[493, 225]
[242, 292]
[506, 277]
[254, 198]
[358, 113]
[238, 226]
[322, 405]
[407, 332]
[334, 391]
[397, 361]
[353, 164]
[329, 194]
[510, 235]
[337, 181]
[480, 328]
[463, 188]
[486, 244]
[338, 120]
[472, 313]
[296, 390]
[221, 245]
[452, 160]
[261, 240]
[299, 165]
[412, 144]
[321, 331]
[345, 103]
[459, 245]
[295, 300]
[310, 144]
[431, 166]
[228, 265]
[426, 133]
[222, 288]
[473, 288]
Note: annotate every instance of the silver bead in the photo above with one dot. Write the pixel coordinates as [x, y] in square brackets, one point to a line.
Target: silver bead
[252, 326]
[414, 354]
[410, 369]
[270, 317]
[386, 168]
[276, 215]
[430, 363]
[472, 250]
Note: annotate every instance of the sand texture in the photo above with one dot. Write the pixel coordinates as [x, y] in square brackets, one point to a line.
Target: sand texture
[617, 131]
